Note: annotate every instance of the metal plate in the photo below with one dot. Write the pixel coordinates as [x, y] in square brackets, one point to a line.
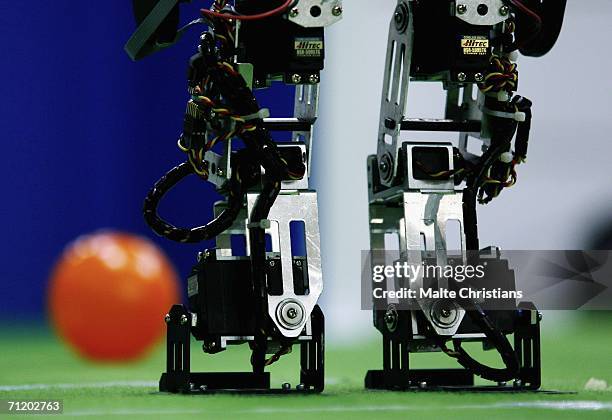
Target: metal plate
[316, 13]
[472, 12]
[289, 207]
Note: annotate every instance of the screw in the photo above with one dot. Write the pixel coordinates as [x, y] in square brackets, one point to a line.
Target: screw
[300, 387]
[337, 11]
[220, 172]
[184, 319]
[540, 316]
[479, 77]
[313, 79]
[383, 166]
[271, 263]
[296, 78]
[517, 383]
[208, 347]
[291, 313]
[286, 386]
[203, 388]
[461, 9]
[298, 263]
[423, 385]
[294, 12]
[504, 10]
[501, 384]
[167, 318]
[192, 386]
[445, 312]
[462, 77]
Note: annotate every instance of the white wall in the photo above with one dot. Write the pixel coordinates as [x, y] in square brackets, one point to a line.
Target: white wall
[563, 190]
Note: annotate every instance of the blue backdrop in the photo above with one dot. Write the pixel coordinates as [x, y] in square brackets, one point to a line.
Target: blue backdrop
[85, 134]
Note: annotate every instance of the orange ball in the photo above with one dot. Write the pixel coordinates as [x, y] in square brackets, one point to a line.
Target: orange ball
[109, 293]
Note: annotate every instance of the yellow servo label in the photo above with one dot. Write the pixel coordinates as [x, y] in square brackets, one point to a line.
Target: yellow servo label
[308, 47]
[475, 45]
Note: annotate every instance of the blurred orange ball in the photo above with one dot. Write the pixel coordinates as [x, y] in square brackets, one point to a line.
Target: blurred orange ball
[109, 293]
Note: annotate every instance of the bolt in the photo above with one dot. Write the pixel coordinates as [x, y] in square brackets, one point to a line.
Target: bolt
[292, 313]
[401, 17]
[337, 11]
[300, 387]
[203, 388]
[296, 78]
[501, 384]
[167, 318]
[271, 263]
[540, 316]
[461, 9]
[479, 77]
[298, 263]
[286, 386]
[517, 383]
[313, 79]
[423, 385]
[184, 319]
[294, 12]
[462, 77]
[208, 347]
[504, 10]
[391, 319]
[390, 123]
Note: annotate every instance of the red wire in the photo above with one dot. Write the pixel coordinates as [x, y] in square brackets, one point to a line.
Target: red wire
[527, 11]
[258, 16]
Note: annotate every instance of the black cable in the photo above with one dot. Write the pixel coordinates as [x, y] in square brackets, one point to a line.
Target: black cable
[196, 234]
[552, 13]
[257, 242]
[497, 338]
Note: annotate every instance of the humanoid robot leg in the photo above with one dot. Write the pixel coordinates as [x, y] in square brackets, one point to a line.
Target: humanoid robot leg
[417, 188]
[265, 294]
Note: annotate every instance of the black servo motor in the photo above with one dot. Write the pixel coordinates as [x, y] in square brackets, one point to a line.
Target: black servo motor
[449, 47]
[277, 47]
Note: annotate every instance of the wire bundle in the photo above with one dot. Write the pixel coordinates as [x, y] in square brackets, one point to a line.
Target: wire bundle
[502, 75]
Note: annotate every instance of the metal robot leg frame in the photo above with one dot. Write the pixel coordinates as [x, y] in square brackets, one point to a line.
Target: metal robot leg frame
[179, 378]
[294, 286]
[421, 226]
[397, 373]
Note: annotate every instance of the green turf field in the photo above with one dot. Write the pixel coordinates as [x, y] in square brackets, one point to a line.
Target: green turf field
[34, 365]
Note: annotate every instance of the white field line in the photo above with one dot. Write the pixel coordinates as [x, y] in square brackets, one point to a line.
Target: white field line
[545, 405]
[29, 387]
[541, 405]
